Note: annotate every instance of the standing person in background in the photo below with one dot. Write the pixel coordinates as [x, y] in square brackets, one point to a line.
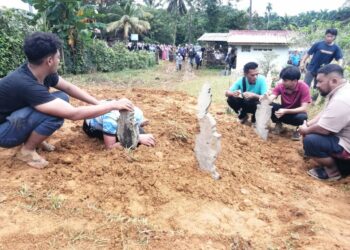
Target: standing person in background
[178, 62]
[323, 53]
[198, 59]
[191, 55]
[295, 58]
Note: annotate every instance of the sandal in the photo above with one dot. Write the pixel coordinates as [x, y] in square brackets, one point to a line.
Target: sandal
[320, 173]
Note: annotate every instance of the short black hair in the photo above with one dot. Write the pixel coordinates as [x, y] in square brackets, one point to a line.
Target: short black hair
[39, 45]
[333, 32]
[290, 73]
[330, 68]
[249, 66]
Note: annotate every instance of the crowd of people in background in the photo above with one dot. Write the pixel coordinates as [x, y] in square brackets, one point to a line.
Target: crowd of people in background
[166, 52]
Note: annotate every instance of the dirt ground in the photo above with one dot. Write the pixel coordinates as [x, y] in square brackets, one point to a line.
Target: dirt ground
[157, 198]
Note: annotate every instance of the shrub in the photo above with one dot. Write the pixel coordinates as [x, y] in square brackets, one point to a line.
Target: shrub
[117, 58]
[13, 28]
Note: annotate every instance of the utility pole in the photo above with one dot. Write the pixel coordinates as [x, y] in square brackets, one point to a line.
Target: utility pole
[250, 15]
[30, 8]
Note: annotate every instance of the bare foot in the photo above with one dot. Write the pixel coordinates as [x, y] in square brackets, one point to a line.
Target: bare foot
[45, 146]
[32, 158]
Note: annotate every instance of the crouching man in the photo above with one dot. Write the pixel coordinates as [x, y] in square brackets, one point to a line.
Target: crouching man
[295, 98]
[327, 136]
[243, 96]
[29, 112]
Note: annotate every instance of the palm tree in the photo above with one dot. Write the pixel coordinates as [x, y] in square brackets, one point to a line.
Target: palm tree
[287, 23]
[129, 21]
[177, 8]
[153, 3]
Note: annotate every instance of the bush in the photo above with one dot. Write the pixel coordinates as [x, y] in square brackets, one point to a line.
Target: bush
[86, 57]
[116, 58]
[13, 28]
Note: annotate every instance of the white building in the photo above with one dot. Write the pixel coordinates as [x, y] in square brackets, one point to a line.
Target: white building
[255, 45]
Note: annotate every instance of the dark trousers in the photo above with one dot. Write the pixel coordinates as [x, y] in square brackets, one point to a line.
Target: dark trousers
[321, 146]
[291, 119]
[243, 106]
[309, 78]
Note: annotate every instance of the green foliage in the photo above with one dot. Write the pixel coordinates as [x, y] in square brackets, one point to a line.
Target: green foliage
[117, 58]
[73, 22]
[13, 28]
[160, 30]
[129, 20]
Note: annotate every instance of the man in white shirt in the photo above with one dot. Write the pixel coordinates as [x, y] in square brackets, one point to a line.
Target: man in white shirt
[327, 136]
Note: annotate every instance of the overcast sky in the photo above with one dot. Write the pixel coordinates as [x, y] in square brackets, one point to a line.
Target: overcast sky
[291, 7]
[282, 7]
[14, 4]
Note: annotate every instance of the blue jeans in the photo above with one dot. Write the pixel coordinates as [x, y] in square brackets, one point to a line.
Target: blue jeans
[21, 123]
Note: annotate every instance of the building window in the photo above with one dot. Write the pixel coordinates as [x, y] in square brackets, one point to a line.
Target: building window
[262, 49]
[245, 48]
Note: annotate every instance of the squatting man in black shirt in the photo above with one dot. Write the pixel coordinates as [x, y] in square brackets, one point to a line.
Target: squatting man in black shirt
[29, 113]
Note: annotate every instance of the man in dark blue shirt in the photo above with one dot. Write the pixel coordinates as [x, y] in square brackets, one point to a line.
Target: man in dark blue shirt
[29, 112]
[323, 53]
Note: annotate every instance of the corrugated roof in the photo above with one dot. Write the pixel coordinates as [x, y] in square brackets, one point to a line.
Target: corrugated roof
[214, 37]
[260, 37]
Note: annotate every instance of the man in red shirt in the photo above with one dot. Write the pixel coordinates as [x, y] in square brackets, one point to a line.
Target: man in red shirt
[295, 98]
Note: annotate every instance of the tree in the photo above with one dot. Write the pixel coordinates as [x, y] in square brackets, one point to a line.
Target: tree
[160, 31]
[268, 14]
[287, 23]
[153, 3]
[14, 25]
[129, 22]
[177, 8]
[212, 11]
[72, 21]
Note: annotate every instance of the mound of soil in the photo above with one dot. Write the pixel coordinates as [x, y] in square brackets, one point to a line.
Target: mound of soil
[157, 198]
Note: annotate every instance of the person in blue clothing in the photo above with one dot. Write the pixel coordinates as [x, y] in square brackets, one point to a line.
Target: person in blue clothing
[295, 58]
[323, 53]
[243, 96]
[105, 127]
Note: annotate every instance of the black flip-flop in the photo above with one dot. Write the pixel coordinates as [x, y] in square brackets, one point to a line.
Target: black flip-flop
[320, 173]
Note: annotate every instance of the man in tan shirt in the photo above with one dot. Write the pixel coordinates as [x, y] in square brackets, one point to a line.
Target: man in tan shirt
[327, 136]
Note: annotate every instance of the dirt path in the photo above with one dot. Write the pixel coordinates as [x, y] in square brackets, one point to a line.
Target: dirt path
[156, 198]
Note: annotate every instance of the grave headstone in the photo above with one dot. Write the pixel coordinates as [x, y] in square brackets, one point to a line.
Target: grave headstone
[128, 133]
[207, 145]
[263, 116]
